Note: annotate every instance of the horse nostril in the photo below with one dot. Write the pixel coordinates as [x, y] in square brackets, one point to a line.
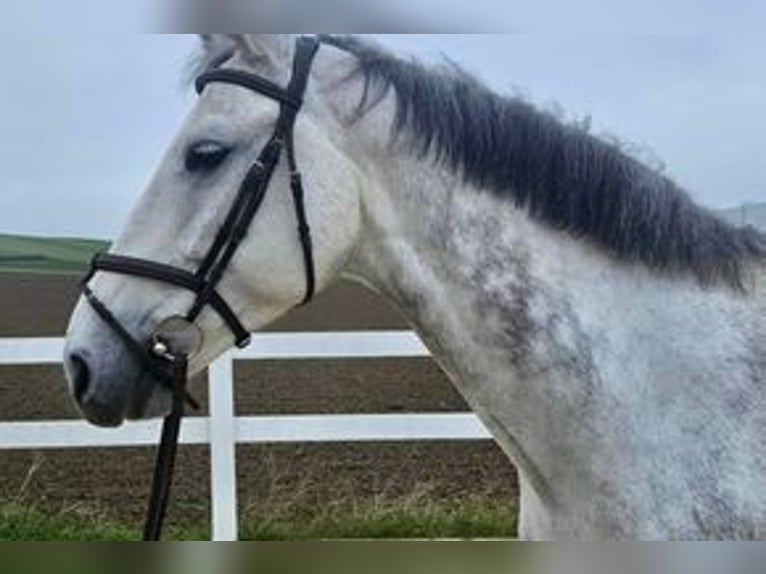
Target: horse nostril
[80, 376]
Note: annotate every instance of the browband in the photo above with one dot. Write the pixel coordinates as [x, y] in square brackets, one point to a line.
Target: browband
[251, 82]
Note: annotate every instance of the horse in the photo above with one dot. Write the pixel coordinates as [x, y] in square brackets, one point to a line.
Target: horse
[607, 330]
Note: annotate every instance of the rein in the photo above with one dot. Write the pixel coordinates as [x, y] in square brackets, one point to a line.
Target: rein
[166, 354]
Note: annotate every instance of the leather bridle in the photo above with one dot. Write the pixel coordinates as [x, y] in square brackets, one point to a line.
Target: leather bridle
[162, 355]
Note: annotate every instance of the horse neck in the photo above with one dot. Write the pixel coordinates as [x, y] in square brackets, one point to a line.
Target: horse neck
[554, 344]
[463, 266]
[573, 359]
[450, 255]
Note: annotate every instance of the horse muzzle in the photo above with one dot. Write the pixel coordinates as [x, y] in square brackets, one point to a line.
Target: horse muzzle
[110, 385]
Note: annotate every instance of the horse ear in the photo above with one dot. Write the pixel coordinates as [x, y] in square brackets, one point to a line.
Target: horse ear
[215, 43]
[271, 48]
[208, 41]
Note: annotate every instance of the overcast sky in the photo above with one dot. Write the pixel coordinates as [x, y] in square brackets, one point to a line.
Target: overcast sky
[85, 118]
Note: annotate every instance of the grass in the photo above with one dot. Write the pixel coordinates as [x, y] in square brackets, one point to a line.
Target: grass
[416, 516]
[20, 522]
[24, 522]
[19, 254]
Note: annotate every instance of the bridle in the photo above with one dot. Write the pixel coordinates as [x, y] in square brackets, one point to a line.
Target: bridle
[166, 354]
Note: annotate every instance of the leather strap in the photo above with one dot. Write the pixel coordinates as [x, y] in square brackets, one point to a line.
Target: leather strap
[154, 366]
[228, 241]
[159, 272]
[304, 235]
[166, 456]
[251, 82]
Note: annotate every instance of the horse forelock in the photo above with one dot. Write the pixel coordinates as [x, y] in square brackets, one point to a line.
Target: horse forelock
[561, 174]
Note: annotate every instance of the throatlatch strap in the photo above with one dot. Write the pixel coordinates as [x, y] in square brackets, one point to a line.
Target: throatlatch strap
[304, 234]
[305, 54]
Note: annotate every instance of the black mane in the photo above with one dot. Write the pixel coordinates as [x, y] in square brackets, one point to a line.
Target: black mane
[565, 177]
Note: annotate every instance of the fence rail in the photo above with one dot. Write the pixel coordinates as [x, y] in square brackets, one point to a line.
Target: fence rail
[223, 431]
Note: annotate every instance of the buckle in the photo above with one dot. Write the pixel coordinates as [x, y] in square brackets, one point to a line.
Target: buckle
[244, 342]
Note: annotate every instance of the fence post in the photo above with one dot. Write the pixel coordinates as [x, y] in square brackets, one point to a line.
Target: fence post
[223, 454]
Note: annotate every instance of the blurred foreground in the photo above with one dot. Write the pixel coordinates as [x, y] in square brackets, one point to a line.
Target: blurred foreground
[385, 558]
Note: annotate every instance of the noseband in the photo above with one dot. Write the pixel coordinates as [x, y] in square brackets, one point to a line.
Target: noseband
[165, 355]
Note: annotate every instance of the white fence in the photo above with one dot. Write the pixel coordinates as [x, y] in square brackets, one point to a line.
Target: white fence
[222, 430]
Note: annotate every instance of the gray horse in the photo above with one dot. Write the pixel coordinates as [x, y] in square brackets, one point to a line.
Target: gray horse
[609, 332]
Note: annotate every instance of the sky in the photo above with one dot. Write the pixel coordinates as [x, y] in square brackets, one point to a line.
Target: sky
[86, 117]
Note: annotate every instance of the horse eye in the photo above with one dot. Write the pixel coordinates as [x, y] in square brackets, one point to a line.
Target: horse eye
[206, 156]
